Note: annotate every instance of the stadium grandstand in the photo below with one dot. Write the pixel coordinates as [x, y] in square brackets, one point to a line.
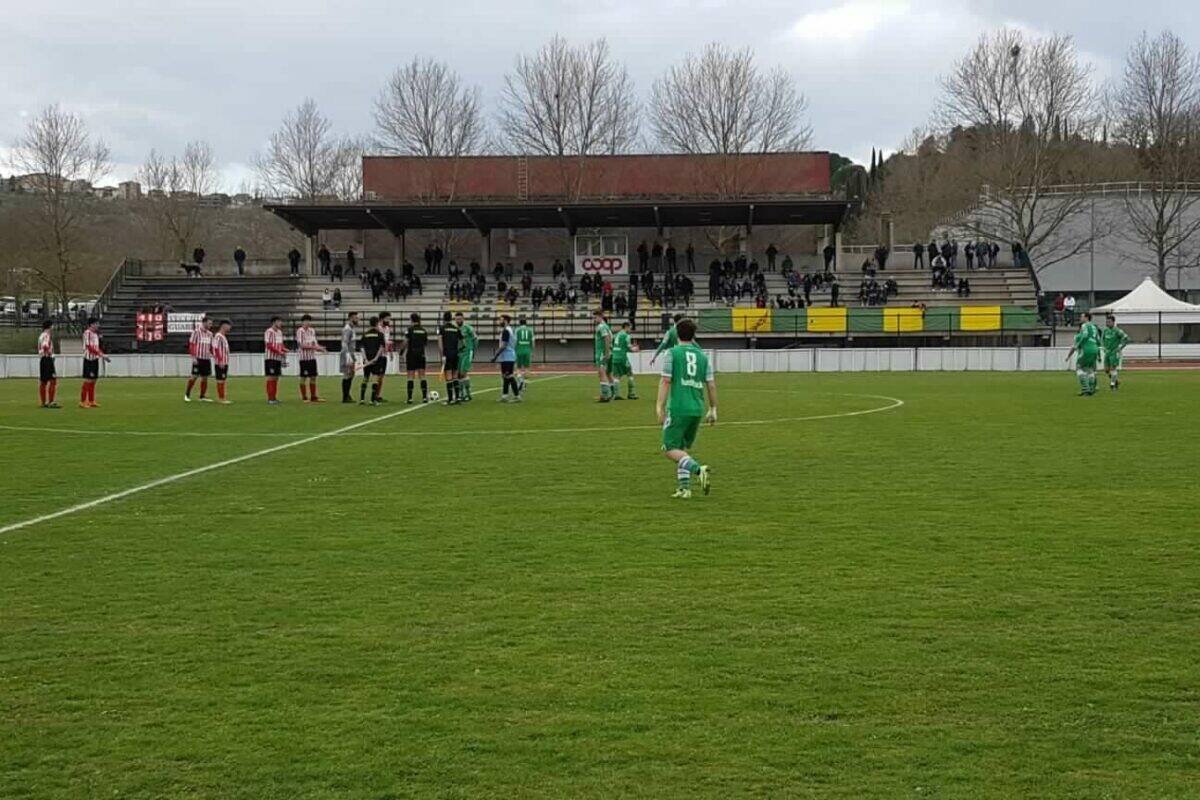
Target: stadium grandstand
[637, 235]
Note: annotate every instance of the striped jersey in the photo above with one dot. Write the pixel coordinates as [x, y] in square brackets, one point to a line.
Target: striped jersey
[91, 345]
[274, 350]
[386, 331]
[45, 345]
[220, 350]
[201, 343]
[306, 342]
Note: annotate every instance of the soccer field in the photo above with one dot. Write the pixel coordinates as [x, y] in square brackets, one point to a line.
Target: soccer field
[919, 585]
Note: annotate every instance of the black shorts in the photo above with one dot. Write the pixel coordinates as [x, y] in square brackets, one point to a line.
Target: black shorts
[46, 369]
[308, 368]
[506, 368]
[451, 363]
[201, 368]
[221, 371]
[377, 367]
[273, 367]
[414, 362]
[91, 369]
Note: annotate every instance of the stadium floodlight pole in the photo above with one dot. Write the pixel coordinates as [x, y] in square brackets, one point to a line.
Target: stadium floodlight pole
[1092, 258]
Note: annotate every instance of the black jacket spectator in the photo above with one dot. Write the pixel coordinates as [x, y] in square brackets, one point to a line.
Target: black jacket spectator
[294, 261]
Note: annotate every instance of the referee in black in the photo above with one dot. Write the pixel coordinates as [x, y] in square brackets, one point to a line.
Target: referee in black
[449, 338]
[374, 362]
[415, 339]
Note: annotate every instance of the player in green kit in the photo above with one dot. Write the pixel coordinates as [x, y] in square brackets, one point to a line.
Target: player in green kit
[466, 355]
[603, 354]
[1087, 346]
[669, 340]
[622, 344]
[524, 335]
[1113, 341]
[686, 377]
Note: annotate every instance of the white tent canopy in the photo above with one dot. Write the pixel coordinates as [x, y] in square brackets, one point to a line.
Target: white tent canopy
[1150, 305]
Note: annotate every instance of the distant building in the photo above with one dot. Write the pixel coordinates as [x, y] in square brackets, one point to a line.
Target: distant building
[241, 199]
[105, 192]
[215, 200]
[129, 190]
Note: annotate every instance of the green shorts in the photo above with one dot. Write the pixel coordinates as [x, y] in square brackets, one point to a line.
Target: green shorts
[603, 363]
[1112, 360]
[524, 360]
[680, 434]
[465, 360]
[620, 367]
[1087, 358]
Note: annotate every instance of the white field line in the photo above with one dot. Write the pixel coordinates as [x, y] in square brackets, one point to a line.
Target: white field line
[179, 476]
[892, 403]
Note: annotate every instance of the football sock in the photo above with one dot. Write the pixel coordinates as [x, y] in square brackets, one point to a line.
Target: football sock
[604, 390]
[303, 391]
[52, 389]
[375, 392]
[347, 383]
[1083, 381]
[684, 477]
[312, 392]
[362, 390]
[42, 393]
[221, 390]
[188, 391]
[616, 389]
[203, 387]
[410, 390]
[1113, 377]
[466, 387]
[629, 380]
[1092, 381]
[689, 464]
[424, 389]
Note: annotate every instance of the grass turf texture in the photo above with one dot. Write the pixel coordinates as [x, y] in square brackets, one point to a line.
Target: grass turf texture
[988, 592]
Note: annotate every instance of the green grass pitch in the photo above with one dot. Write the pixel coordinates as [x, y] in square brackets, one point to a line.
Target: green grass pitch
[992, 590]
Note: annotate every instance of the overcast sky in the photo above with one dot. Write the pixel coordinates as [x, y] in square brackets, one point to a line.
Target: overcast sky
[157, 73]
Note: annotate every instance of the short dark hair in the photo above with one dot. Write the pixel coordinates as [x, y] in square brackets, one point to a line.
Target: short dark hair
[276, 318]
[385, 315]
[625, 324]
[686, 330]
[506, 317]
[92, 321]
[224, 322]
[459, 314]
[521, 320]
[374, 321]
[447, 317]
[1087, 315]
[678, 317]
[47, 325]
[414, 317]
[306, 318]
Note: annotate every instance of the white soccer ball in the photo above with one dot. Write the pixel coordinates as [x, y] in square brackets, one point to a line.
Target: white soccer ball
[434, 396]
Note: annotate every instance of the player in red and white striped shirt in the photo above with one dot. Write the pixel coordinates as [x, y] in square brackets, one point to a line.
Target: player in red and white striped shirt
[220, 356]
[91, 364]
[200, 349]
[47, 376]
[385, 327]
[273, 357]
[309, 347]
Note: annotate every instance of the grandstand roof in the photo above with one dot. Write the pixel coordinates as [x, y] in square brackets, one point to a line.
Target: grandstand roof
[595, 214]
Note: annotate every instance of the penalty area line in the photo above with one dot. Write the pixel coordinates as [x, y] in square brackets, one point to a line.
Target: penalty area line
[191, 473]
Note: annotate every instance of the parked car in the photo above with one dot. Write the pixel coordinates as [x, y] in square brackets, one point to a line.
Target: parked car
[8, 306]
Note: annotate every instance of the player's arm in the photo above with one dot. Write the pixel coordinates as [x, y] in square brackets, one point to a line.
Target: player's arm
[608, 343]
[664, 394]
[710, 387]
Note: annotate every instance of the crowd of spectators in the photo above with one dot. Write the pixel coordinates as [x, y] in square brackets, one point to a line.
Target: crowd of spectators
[978, 255]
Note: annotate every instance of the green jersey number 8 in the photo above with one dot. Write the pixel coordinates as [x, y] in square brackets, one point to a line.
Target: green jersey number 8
[691, 364]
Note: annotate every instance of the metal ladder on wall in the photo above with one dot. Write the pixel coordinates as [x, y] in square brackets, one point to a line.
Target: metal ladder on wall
[522, 178]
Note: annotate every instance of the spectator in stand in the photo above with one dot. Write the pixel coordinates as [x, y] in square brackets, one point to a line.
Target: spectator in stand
[1060, 302]
[993, 254]
[834, 290]
[476, 270]
[556, 271]
[337, 298]
[620, 304]
[428, 254]
[536, 297]
[740, 266]
[438, 255]
[643, 254]
[323, 258]
[772, 251]
[656, 255]
[829, 252]
[336, 273]
[198, 260]
[948, 253]
[881, 257]
[453, 270]
[294, 262]
[690, 255]
[508, 272]
[969, 252]
[918, 256]
[964, 288]
[408, 270]
[351, 261]
[326, 298]
[239, 260]
[526, 283]
[787, 265]
[572, 296]
[954, 251]
[1069, 310]
[933, 251]
[672, 264]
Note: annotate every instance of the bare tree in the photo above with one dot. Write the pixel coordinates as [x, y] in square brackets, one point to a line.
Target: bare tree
[61, 158]
[1032, 107]
[306, 160]
[569, 102]
[1157, 114]
[719, 101]
[174, 189]
[426, 110]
